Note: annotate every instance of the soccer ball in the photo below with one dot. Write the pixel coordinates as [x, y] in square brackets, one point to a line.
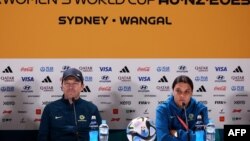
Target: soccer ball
[141, 129]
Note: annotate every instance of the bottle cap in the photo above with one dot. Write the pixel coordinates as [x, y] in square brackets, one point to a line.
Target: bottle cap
[211, 121]
[103, 121]
[93, 117]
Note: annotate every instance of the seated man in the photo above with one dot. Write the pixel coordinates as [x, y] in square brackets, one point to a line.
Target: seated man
[68, 118]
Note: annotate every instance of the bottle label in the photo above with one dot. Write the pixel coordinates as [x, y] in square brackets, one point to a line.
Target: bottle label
[210, 129]
[103, 131]
[200, 135]
[93, 135]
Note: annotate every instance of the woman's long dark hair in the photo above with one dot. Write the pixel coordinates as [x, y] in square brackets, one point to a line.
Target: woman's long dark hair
[184, 79]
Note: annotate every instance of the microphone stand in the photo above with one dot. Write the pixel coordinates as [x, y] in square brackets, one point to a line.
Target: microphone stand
[185, 113]
[186, 120]
[74, 109]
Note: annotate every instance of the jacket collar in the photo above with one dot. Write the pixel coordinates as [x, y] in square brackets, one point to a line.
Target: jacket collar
[66, 101]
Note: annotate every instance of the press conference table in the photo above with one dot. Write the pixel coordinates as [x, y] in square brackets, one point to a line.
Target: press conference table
[31, 135]
[121, 135]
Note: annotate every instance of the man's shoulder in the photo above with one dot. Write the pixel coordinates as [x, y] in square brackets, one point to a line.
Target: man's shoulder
[54, 103]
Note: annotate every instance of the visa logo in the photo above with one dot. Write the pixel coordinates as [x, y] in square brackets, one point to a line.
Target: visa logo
[221, 68]
[27, 79]
[106, 69]
[144, 78]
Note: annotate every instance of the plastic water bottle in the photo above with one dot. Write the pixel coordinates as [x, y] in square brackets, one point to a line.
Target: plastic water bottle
[199, 129]
[93, 132]
[210, 131]
[103, 131]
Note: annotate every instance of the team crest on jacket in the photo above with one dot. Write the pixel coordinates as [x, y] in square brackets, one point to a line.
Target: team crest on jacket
[81, 118]
[191, 116]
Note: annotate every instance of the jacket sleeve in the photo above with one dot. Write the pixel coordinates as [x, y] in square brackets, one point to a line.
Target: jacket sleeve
[161, 123]
[163, 131]
[205, 116]
[44, 129]
[98, 116]
[202, 109]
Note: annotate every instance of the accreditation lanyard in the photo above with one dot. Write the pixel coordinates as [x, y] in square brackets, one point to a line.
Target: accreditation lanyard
[182, 122]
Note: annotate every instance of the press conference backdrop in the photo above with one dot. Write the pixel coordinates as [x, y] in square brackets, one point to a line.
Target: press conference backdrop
[198, 29]
[123, 88]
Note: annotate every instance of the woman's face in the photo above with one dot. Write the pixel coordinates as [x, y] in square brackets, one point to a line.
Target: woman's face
[182, 94]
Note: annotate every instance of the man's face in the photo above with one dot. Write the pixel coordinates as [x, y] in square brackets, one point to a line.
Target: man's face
[72, 88]
[182, 93]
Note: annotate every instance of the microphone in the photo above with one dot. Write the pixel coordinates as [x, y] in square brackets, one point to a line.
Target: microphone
[185, 112]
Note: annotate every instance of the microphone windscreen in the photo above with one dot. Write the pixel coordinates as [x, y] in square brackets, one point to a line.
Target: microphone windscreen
[183, 104]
